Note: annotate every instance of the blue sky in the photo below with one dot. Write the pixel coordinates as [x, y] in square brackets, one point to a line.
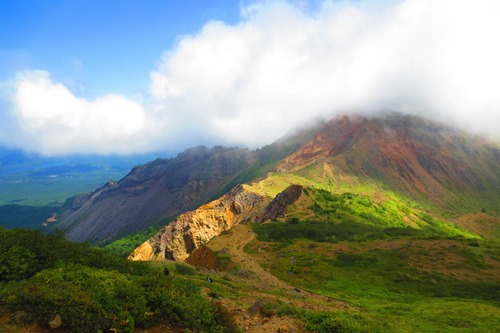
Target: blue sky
[129, 76]
[106, 46]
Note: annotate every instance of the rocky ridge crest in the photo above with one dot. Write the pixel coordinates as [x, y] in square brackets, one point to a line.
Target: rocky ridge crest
[193, 229]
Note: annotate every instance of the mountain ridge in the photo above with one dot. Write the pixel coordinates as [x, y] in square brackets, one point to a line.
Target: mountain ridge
[94, 217]
[427, 162]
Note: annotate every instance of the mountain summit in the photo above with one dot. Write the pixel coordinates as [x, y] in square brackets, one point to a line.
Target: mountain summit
[419, 158]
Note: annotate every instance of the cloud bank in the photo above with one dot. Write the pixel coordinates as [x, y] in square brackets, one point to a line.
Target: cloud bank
[279, 68]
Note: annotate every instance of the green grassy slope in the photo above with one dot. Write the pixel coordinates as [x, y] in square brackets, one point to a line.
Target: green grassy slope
[399, 283]
[401, 262]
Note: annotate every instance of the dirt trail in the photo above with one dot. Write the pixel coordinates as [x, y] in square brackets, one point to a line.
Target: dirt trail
[264, 286]
[234, 243]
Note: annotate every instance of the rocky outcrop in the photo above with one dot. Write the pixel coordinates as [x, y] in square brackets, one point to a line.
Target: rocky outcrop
[202, 257]
[277, 207]
[189, 231]
[192, 230]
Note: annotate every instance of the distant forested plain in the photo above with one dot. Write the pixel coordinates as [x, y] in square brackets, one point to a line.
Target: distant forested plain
[33, 187]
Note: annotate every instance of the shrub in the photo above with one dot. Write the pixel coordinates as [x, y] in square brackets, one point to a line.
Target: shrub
[327, 231]
[185, 269]
[93, 290]
[353, 259]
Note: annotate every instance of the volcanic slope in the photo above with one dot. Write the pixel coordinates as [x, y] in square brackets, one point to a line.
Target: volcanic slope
[394, 171]
[373, 225]
[162, 188]
[426, 161]
[165, 188]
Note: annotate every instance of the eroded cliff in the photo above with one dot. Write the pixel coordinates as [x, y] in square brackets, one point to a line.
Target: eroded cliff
[191, 230]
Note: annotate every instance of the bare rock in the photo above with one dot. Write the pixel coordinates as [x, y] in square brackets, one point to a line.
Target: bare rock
[191, 230]
[256, 308]
[277, 207]
[56, 322]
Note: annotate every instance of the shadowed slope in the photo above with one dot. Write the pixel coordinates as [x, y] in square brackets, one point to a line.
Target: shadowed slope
[162, 188]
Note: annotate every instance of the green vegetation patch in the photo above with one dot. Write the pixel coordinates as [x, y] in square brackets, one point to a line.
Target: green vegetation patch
[392, 293]
[123, 247]
[328, 231]
[94, 290]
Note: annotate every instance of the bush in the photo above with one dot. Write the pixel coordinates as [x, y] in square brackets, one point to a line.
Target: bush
[354, 259]
[327, 231]
[185, 269]
[87, 299]
[93, 290]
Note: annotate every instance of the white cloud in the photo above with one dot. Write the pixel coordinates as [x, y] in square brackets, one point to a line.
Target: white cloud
[282, 66]
[53, 121]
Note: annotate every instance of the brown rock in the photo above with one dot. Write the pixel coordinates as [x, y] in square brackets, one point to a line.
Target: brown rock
[256, 308]
[144, 252]
[277, 207]
[56, 322]
[191, 230]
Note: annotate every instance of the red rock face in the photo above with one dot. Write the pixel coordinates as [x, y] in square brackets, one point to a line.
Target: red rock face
[419, 158]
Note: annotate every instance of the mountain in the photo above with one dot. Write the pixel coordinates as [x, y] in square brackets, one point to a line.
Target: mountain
[420, 166]
[430, 163]
[165, 188]
[382, 224]
[150, 192]
[427, 161]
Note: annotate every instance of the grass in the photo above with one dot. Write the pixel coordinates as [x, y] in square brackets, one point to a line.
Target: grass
[123, 247]
[329, 231]
[401, 265]
[394, 295]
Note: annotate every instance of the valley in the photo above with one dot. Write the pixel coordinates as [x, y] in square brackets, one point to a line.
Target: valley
[33, 187]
